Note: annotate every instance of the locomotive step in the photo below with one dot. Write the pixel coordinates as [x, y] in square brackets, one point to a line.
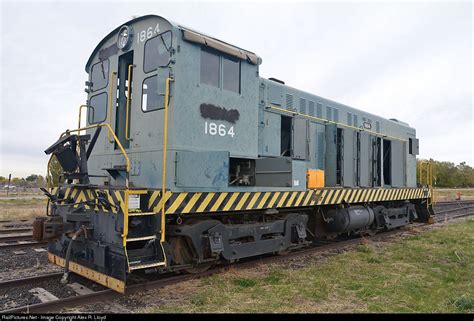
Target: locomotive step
[142, 213]
[146, 265]
[141, 238]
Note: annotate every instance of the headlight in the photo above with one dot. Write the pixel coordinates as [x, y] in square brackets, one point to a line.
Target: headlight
[124, 38]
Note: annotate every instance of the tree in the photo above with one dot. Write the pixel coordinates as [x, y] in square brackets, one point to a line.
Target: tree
[448, 174]
[32, 178]
[56, 173]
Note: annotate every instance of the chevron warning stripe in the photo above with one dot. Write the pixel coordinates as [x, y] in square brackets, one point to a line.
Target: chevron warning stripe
[212, 202]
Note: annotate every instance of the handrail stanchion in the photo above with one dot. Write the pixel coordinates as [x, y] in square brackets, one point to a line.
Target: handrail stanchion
[127, 112]
[80, 112]
[165, 145]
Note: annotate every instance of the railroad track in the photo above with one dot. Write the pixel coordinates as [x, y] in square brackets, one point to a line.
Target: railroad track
[16, 230]
[451, 204]
[21, 244]
[16, 237]
[107, 294]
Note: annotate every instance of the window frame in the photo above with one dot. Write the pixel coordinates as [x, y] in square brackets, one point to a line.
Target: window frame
[222, 72]
[144, 50]
[141, 97]
[220, 75]
[93, 90]
[220, 82]
[89, 107]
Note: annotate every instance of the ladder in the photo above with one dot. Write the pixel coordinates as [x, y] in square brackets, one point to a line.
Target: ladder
[425, 178]
[143, 236]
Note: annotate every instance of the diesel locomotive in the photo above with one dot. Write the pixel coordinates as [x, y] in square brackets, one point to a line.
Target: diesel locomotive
[189, 159]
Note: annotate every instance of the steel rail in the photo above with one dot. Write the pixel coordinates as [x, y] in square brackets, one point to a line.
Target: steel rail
[22, 244]
[454, 209]
[7, 284]
[16, 237]
[15, 230]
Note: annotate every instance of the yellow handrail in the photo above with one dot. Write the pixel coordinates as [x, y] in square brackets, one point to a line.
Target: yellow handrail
[113, 134]
[322, 120]
[127, 117]
[49, 177]
[111, 94]
[80, 112]
[109, 129]
[428, 179]
[165, 145]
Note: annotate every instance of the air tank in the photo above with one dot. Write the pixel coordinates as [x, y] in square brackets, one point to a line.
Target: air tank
[348, 219]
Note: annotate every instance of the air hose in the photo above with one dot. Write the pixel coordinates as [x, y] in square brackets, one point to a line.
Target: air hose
[68, 253]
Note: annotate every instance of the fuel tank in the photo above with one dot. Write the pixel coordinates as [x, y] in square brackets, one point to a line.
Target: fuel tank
[348, 219]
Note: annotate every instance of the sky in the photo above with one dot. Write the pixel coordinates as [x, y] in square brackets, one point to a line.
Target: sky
[404, 60]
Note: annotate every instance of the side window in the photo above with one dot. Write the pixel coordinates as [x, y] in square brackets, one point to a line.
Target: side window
[157, 52]
[97, 108]
[209, 68]
[151, 98]
[100, 75]
[231, 74]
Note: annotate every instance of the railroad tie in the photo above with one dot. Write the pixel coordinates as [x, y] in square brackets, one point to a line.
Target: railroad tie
[80, 289]
[43, 295]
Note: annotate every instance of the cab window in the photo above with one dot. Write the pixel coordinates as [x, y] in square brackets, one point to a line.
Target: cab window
[152, 99]
[220, 71]
[209, 68]
[100, 75]
[157, 52]
[97, 108]
[231, 74]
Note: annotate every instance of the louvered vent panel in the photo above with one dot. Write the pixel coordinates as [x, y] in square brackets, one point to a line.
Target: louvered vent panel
[289, 101]
[356, 121]
[349, 119]
[328, 113]
[311, 108]
[319, 111]
[335, 115]
[377, 127]
[302, 105]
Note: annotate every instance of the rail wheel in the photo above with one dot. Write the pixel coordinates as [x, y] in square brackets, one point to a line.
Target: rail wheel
[184, 254]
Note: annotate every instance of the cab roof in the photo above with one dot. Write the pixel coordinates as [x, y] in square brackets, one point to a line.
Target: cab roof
[189, 35]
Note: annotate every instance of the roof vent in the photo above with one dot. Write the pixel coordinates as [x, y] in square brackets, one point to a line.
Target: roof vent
[277, 80]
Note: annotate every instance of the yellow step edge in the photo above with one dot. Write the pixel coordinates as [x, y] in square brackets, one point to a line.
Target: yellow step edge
[142, 238]
[146, 265]
[137, 192]
[142, 213]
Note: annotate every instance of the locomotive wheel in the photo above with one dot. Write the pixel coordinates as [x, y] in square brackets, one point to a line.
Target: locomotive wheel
[183, 254]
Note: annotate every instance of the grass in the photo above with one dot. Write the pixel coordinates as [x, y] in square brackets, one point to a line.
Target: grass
[430, 272]
[21, 208]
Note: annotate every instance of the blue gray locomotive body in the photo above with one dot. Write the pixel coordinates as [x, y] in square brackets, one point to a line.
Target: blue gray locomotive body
[189, 158]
